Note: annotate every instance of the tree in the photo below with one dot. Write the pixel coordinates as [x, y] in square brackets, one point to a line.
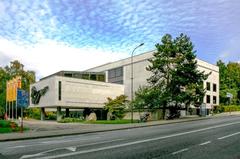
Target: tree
[9, 72]
[116, 106]
[229, 81]
[175, 80]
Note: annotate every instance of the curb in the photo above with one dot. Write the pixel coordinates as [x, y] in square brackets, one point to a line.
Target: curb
[104, 130]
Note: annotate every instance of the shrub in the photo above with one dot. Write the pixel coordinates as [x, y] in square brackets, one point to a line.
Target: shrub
[51, 116]
[33, 113]
[218, 109]
[70, 120]
[231, 108]
[4, 123]
[117, 106]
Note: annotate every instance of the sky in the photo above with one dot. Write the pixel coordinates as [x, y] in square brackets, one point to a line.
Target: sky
[52, 35]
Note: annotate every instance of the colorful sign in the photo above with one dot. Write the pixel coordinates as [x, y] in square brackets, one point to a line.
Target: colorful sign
[22, 98]
[12, 86]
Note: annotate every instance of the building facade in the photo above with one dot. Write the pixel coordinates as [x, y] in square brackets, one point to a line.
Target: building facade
[79, 92]
[120, 72]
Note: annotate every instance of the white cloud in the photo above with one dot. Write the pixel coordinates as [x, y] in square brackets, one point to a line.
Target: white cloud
[50, 56]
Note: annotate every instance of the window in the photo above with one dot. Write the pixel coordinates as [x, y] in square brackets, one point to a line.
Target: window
[93, 77]
[68, 75]
[214, 100]
[59, 90]
[115, 75]
[214, 87]
[208, 99]
[208, 86]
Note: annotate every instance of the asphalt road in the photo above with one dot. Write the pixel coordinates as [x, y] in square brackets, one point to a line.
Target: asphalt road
[217, 138]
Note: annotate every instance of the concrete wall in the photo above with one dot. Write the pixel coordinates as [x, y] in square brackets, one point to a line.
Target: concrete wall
[76, 93]
[212, 78]
[140, 74]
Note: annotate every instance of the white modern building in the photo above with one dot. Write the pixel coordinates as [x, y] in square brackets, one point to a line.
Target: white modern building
[89, 89]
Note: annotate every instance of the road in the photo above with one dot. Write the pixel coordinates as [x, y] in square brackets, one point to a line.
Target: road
[209, 139]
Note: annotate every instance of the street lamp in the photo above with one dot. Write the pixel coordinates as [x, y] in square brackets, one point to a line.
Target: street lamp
[132, 79]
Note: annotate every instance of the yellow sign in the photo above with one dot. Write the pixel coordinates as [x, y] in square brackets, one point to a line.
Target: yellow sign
[12, 87]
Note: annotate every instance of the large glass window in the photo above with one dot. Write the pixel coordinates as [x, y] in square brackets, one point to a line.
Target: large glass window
[214, 87]
[208, 86]
[208, 99]
[115, 75]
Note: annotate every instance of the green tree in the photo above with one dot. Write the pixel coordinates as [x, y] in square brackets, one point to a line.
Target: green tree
[117, 106]
[229, 81]
[175, 79]
[8, 72]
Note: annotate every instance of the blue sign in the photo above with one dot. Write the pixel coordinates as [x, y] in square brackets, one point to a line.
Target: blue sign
[22, 98]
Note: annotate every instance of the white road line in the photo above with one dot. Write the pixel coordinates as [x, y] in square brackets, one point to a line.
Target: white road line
[220, 138]
[137, 142]
[205, 143]
[50, 142]
[180, 151]
[68, 148]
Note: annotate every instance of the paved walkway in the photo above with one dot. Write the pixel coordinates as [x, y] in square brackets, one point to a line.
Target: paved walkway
[41, 129]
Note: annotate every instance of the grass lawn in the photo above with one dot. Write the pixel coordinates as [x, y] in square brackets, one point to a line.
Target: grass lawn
[76, 120]
[123, 121]
[7, 126]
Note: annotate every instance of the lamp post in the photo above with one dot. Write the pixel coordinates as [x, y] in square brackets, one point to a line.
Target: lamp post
[132, 79]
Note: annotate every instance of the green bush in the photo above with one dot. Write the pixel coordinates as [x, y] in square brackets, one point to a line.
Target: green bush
[2, 112]
[70, 120]
[51, 116]
[33, 113]
[4, 123]
[8, 126]
[231, 108]
[218, 109]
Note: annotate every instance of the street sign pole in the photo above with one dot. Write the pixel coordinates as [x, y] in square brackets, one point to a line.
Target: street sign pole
[21, 130]
[16, 106]
[12, 110]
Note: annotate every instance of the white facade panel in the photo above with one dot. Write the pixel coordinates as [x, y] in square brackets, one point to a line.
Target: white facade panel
[77, 93]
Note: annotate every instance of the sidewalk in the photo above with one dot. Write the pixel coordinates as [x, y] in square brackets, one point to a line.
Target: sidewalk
[78, 128]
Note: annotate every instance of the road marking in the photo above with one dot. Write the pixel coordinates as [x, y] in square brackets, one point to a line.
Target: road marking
[137, 142]
[180, 151]
[205, 143]
[30, 156]
[50, 142]
[68, 148]
[73, 149]
[220, 138]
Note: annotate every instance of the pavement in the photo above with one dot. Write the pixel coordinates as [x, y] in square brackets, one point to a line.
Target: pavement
[45, 129]
[217, 137]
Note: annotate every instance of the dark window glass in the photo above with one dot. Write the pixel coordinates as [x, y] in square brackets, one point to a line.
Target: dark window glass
[208, 86]
[111, 73]
[214, 100]
[85, 76]
[115, 75]
[208, 99]
[214, 87]
[93, 77]
[59, 90]
[101, 78]
[68, 75]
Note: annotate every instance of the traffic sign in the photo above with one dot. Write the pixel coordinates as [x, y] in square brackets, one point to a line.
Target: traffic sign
[22, 98]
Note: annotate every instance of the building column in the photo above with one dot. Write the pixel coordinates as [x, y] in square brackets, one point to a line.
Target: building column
[59, 114]
[67, 112]
[42, 114]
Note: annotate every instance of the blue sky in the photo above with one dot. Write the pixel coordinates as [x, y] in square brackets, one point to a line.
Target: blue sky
[53, 35]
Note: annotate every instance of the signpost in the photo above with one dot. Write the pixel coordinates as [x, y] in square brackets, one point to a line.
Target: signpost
[22, 102]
